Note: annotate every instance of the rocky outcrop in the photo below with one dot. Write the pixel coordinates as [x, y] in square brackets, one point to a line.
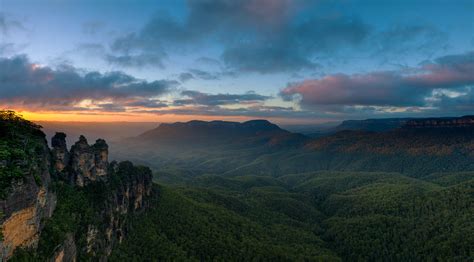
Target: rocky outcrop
[28, 202]
[128, 187]
[101, 158]
[132, 187]
[59, 152]
[67, 252]
[84, 163]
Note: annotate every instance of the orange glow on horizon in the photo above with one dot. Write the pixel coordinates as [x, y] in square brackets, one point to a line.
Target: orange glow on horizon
[118, 117]
[125, 117]
[38, 116]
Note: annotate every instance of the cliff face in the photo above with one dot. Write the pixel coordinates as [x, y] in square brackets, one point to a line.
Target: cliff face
[444, 122]
[84, 164]
[31, 204]
[129, 194]
[26, 198]
[122, 189]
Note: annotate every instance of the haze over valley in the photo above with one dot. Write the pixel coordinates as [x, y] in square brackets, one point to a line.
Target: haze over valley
[236, 130]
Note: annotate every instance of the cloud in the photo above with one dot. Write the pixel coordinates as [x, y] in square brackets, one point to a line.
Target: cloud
[204, 74]
[198, 98]
[147, 103]
[7, 24]
[6, 48]
[270, 36]
[253, 111]
[403, 39]
[136, 50]
[136, 60]
[201, 74]
[460, 102]
[186, 76]
[23, 82]
[256, 35]
[392, 88]
[93, 49]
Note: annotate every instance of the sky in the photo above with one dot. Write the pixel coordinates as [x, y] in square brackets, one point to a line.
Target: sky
[287, 61]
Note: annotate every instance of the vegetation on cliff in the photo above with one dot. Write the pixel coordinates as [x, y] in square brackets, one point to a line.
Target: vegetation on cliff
[21, 147]
[92, 214]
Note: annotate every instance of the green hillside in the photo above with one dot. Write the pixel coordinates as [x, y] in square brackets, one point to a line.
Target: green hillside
[310, 216]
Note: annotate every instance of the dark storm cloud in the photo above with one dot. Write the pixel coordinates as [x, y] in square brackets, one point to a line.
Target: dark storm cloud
[452, 73]
[198, 98]
[22, 81]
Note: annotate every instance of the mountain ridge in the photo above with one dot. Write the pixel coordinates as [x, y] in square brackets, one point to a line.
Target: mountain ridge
[387, 124]
[208, 133]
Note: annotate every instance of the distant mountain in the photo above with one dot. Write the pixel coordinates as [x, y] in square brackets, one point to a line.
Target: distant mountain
[196, 132]
[387, 124]
[260, 147]
[307, 129]
[413, 138]
[375, 125]
[197, 147]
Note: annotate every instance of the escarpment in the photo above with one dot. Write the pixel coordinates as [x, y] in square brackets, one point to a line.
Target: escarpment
[446, 122]
[25, 197]
[113, 191]
[64, 205]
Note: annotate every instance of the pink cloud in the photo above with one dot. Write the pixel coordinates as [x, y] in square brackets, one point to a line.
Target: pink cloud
[389, 88]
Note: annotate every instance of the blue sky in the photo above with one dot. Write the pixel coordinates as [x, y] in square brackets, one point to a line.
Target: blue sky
[291, 61]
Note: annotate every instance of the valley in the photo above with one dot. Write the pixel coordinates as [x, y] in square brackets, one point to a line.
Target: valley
[224, 190]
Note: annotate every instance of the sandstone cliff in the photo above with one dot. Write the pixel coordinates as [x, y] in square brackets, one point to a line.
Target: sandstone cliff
[116, 190]
[64, 205]
[24, 171]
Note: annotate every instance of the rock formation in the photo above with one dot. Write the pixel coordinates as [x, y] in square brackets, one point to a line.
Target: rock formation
[84, 163]
[29, 201]
[59, 152]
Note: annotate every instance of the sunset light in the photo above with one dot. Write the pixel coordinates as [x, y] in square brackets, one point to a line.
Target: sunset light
[236, 130]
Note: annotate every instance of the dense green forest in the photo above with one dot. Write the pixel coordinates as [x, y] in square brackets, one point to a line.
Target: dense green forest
[309, 216]
[261, 211]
